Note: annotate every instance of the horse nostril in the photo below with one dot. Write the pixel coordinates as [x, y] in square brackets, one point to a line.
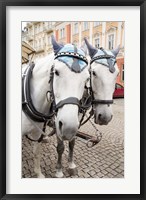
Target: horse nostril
[99, 116]
[60, 124]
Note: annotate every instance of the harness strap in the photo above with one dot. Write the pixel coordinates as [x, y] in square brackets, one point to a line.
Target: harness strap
[83, 122]
[70, 100]
[41, 137]
[39, 140]
[98, 101]
[27, 104]
[101, 57]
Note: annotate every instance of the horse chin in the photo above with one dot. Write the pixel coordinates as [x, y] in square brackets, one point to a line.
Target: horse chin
[103, 123]
[100, 122]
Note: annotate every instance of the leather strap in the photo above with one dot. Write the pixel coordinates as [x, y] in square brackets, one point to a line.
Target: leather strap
[101, 57]
[75, 55]
[27, 104]
[98, 101]
[70, 100]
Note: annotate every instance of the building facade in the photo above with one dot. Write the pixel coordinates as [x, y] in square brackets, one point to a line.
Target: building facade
[100, 34]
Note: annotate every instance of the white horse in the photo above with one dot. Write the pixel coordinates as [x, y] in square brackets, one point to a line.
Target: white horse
[70, 74]
[103, 74]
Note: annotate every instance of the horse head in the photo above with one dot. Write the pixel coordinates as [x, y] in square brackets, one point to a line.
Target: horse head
[70, 76]
[103, 72]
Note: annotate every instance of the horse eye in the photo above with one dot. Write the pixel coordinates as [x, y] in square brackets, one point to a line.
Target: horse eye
[57, 73]
[94, 74]
[88, 79]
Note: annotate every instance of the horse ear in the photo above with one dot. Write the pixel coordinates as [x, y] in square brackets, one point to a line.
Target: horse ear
[92, 50]
[84, 48]
[56, 46]
[116, 51]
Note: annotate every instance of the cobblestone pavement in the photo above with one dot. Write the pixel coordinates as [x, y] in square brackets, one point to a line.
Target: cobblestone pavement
[104, 160]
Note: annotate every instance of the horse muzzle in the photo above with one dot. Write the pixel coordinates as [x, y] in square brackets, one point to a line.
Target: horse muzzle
[102, 118]
[67, 132]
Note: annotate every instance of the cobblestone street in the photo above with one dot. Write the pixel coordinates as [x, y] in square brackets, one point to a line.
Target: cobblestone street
[104, 160]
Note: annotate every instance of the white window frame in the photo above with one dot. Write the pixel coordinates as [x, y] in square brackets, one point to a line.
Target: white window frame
[40, 42]
[76, 28]
[62, 33]
[85, 28]
[109, 35]
[97, 23]
[35, 28]
[97, 39]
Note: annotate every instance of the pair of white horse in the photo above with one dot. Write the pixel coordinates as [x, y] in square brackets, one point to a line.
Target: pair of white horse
[70, 76]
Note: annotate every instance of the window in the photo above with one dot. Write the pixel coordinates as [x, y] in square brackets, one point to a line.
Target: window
[30, 31]
[35, 28]
[97, 23]
[44, 41]
[123, 73]
[76, 28]
[38, 28]
[62, 33]
[39, 42]
[111, 41]
[35, 44]
[97, 43]
[49, 40]
[49, 24]
[85, 26]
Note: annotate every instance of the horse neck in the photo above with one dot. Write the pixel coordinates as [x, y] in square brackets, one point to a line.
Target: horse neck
[39, 83]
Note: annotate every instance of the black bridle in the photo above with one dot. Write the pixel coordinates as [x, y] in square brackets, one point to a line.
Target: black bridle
[111, 69]
[60, 104]
[70, 100]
